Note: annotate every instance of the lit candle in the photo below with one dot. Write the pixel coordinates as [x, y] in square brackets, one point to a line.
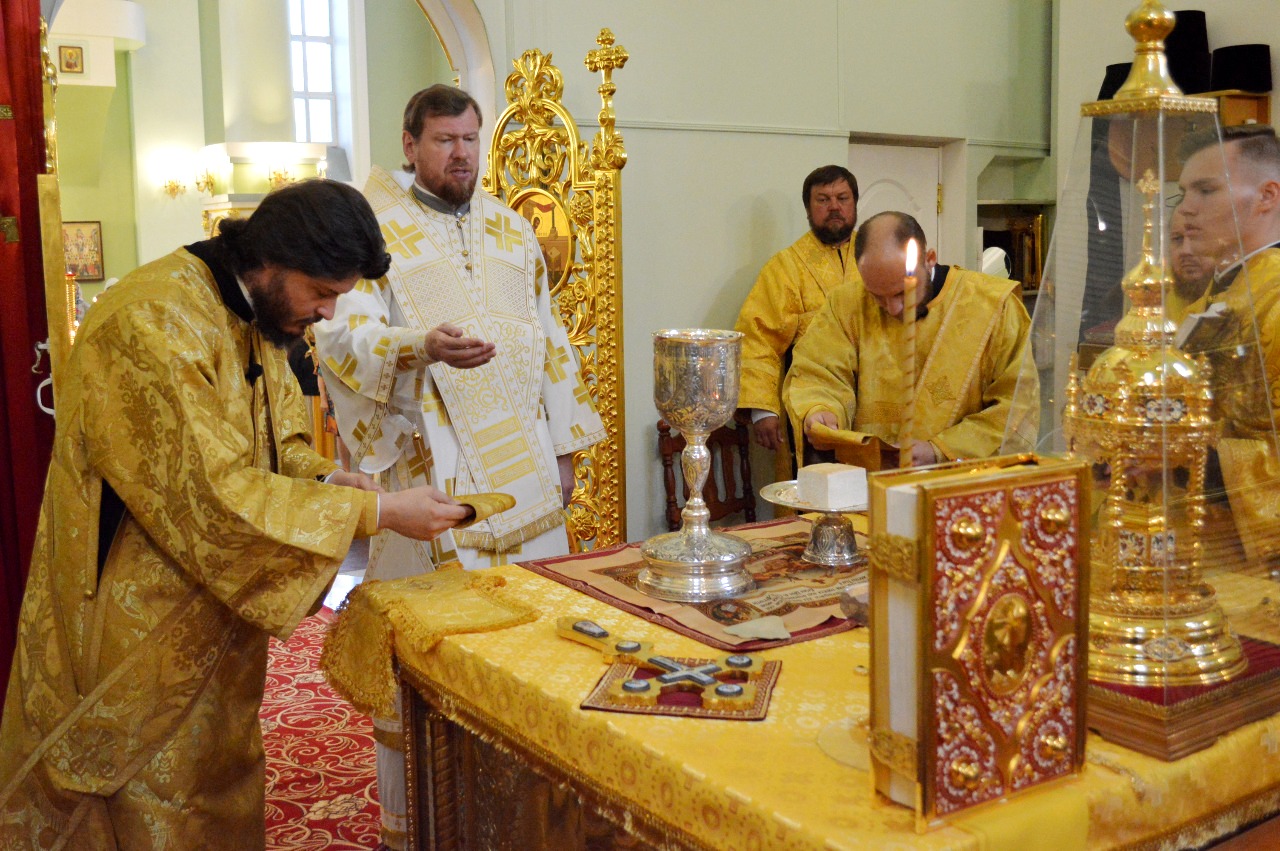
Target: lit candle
[909, 284]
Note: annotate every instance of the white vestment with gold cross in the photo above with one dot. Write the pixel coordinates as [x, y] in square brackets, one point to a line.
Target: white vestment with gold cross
[498, 427]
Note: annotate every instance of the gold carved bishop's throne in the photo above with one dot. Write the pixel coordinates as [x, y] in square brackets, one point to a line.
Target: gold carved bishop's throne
[539, 165]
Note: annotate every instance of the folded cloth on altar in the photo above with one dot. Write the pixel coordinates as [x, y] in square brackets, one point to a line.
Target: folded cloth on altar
[851, 447]
[420, 609]
[485, 505]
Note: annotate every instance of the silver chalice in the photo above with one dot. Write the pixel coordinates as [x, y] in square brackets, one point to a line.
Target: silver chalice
[695, 386]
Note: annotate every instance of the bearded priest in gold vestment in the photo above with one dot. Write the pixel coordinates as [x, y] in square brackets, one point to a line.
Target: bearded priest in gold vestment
[186, 520]
[791, 288]
[971, 334]
[454, 370]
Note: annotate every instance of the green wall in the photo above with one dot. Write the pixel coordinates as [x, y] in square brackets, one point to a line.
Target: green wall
[95, 167]
[400, 30]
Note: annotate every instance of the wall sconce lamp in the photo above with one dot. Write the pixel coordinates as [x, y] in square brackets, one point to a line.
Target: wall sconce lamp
[204, 182]
[280, 177]
[173, 188]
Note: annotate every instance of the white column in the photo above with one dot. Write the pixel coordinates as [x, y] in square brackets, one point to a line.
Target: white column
[257, 92]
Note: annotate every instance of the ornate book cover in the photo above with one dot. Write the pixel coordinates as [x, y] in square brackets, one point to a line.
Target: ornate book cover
[979, 599]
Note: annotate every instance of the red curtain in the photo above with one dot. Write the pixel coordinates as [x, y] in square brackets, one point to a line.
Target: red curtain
[26, 433]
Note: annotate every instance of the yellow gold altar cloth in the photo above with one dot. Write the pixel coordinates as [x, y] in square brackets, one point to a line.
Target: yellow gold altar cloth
[716, 784]
[418, 610]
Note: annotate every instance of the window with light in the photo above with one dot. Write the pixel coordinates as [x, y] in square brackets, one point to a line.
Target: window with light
[311, 45]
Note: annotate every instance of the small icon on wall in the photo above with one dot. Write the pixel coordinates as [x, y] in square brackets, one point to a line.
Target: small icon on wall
[70, 59]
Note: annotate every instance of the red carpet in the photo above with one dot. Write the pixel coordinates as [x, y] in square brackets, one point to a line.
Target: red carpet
[320, 766]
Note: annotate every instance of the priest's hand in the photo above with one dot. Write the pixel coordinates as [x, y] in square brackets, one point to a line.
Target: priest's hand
[819, 417]
[449, 344]
[767, 432]
[923, 453]
[420, 513]
[567, 479]
[360, 481]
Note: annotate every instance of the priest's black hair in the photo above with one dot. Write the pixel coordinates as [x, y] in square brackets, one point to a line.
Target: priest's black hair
[823, 175]
[321, 228]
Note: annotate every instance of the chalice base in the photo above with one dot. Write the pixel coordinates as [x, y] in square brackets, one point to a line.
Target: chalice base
[1186, 650]
[695, 568]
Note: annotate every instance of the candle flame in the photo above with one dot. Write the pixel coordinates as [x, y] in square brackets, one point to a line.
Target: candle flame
[912, 253]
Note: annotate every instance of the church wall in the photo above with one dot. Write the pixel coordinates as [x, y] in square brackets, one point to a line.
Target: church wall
[168, 124]
[95, 167]
[400, 32]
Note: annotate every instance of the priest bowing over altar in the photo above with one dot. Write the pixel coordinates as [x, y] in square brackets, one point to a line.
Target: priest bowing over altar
[869, 376]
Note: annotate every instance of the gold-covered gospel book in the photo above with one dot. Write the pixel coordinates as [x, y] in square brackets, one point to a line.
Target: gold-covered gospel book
[979, 598]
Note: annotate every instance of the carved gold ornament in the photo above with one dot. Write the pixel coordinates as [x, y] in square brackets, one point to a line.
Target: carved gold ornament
[572, 196]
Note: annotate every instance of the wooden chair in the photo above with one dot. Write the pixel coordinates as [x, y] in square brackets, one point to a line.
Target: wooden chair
[728, 489]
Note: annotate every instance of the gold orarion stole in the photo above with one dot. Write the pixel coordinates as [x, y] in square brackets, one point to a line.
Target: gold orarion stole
[572, 195]
[978, 643]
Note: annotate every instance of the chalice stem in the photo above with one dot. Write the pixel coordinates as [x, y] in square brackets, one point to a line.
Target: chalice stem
[695, 460]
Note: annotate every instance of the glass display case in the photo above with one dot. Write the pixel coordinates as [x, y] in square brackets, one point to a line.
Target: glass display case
[1156, 357]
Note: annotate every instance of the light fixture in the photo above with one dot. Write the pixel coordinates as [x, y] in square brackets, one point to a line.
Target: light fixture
[280, 177]
[204, 181]
[173, 187]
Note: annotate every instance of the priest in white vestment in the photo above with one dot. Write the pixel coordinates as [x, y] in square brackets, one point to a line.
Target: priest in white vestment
[453, 369]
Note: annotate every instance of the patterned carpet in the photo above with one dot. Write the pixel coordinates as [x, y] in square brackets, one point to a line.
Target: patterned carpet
[321, 794]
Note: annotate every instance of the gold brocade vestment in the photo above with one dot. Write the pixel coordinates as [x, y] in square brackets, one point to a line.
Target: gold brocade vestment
[969, 350]
[1247, 395]
[131, 719]
[790, 290]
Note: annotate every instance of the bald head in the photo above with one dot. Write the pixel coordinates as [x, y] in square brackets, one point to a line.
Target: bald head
[880, 249]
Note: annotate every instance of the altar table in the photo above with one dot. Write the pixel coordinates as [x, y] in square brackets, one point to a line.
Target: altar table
[514, 695]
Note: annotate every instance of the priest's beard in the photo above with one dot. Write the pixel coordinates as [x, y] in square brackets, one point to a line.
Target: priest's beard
[272, 313]
[453, 191]
[835, 231]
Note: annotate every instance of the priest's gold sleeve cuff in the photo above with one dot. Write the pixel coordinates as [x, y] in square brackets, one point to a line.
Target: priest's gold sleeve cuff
[368, 526]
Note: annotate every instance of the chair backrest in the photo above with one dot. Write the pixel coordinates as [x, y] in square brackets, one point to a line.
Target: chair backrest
[572, 195]
[728, 489]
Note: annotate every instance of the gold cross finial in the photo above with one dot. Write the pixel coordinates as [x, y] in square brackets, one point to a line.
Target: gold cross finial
[608, 57]
[607, 150]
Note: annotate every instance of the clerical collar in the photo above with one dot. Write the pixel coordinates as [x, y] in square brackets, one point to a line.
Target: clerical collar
[437, 203]
[234, 294]
[1224, 278]
[937, 278]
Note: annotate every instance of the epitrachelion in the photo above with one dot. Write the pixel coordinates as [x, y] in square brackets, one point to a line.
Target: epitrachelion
[978, 614]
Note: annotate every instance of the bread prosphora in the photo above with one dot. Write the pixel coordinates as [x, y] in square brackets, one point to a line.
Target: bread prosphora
[832, 485]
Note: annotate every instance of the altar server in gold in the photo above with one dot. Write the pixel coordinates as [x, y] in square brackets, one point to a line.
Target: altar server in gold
[454, 370]
[186, 520]
[791, 288]
[971, 335]
[1247, 281]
